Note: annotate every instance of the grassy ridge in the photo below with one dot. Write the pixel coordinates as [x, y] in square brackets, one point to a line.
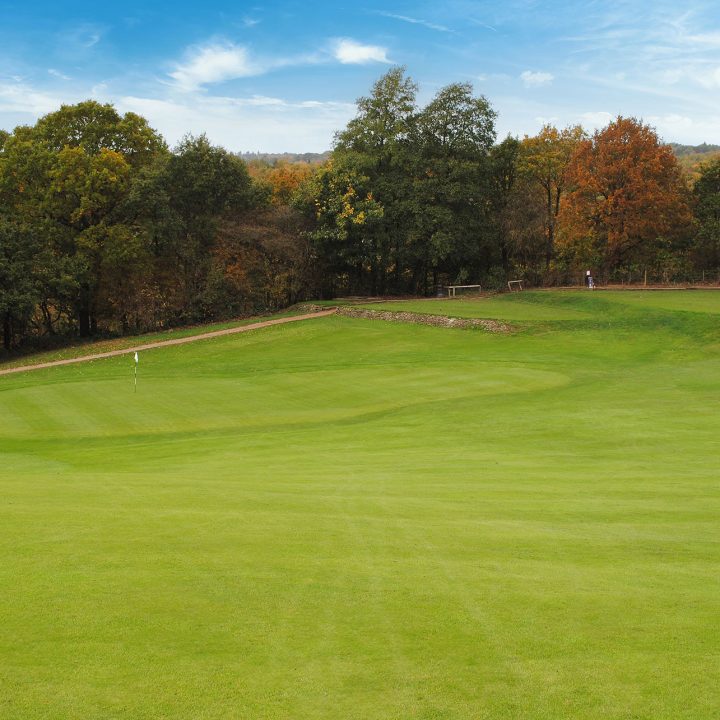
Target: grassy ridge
[92, 347]
[357, 519]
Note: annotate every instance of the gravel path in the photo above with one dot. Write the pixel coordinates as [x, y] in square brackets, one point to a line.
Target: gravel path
[174, 341]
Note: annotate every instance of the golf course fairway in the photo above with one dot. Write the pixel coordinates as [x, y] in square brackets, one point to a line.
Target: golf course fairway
[346, 518]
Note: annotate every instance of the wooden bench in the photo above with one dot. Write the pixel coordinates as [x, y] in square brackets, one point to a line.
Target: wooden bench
[514, 282]
[453, 288]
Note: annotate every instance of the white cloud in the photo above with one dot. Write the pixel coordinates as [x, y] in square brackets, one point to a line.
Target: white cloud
[416, 21]
[480, 23]
[82, 37]
[351, 52]
[245, 124]
[256, 122]
[596, 120]
[260, 101]
[542, 120]
[58, 74]
[684, 129]
[711, 39]
[214, 63]
[707, 77]
[18, 99]
[536, 79]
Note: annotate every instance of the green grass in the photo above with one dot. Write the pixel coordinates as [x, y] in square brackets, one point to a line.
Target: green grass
[347, 518]
[542, 305]
[91, 347]
[524, 307]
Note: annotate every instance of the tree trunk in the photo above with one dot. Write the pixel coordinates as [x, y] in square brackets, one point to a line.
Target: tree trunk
[84, 321]
[550, 229]
[550, 245]
[47, 318]
[505, 256]
[7, 331]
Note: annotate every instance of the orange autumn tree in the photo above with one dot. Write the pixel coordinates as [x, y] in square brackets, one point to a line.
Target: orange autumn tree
[281, 180]
[626, 196]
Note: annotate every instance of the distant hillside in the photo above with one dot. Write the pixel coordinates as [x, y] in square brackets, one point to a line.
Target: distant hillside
[692, 157]
[275, 158]
[685, 150]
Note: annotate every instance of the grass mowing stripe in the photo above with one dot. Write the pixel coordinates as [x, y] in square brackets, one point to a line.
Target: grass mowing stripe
[363, 519]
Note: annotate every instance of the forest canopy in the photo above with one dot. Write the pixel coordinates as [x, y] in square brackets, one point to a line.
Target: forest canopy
[106, 230]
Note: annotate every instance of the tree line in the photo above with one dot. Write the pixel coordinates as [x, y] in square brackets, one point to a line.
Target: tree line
[105, 230]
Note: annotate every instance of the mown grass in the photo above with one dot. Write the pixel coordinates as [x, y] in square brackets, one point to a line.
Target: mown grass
[92, 347]
[347, 518]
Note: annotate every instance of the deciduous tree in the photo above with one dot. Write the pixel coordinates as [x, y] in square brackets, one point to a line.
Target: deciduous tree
[706, 194]
[453, 137]
[545, 159]
[19, 291]
[627, 191]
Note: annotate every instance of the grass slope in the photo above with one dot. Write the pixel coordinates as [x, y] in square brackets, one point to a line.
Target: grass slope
[92, 347]
[353, 519]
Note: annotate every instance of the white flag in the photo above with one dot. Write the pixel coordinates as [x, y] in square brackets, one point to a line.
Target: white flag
[136, 358]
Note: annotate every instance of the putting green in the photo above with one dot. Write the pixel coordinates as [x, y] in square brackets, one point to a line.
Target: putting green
[347, 518]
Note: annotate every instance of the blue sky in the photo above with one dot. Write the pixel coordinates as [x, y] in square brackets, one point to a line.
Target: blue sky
[283, 76]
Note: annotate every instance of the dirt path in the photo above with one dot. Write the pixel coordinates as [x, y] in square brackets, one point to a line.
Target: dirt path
[174, 341]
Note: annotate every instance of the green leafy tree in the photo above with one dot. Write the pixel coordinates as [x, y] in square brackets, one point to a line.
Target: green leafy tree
[504, 179]
[203, 183]
[370, 154]
[69, 175]
[339, 199]
[423, 178]
[94, 127]
[453, 137]
[545, 160]
[706, 194]
[19, 292]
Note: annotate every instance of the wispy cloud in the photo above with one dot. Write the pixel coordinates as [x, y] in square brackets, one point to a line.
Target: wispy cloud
[416, 21]
[58, 74]
[536, 79]
[220, 61]
[708, 77]
[480, 23]
[552, 120]
[682, 128]
[258, 122]
[705, 75]
[351, 52]
[255, 122]
[595, 120]
[20, 99]
[83, 36]
[214, 63]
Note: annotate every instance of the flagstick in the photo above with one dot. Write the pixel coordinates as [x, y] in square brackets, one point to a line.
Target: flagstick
[135, 378]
